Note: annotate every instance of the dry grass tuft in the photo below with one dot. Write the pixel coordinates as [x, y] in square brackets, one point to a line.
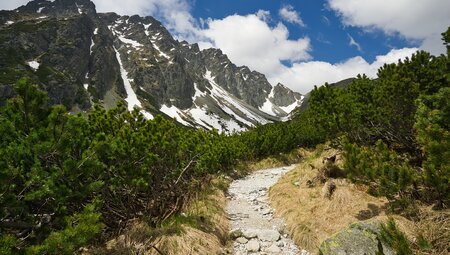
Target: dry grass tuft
[434, 226]
[202, 228]
[311, 217]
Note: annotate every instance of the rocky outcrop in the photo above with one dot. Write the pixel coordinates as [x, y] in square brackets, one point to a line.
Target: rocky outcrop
[81, 57]
[358, 238]
[283, 96]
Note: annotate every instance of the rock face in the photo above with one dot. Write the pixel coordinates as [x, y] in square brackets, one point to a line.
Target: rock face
[81, 57]
[358, 238]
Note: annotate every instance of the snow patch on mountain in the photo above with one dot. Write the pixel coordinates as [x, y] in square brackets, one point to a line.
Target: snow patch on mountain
[34, 64]
[268, 106]
[291, 107]
[131, 98]
[225, 99]
[160, 52]
[133, 43]
[174, 112]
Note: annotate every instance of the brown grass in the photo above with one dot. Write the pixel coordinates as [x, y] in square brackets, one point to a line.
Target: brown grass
[202, 228]
[434, 226]
[280, 160]
[310, 217]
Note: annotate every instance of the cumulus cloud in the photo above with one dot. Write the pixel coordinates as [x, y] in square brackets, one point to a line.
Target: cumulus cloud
[422, 20]
[289, 14]
[175, 14]
[249, 40]
[263, 15]
[303, 76]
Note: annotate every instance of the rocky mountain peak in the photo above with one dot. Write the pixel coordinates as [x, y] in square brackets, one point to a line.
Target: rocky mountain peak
[59, 8]
[82, 57]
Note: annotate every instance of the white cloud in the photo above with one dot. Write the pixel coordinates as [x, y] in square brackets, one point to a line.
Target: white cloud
[288, 14]
[263, 15]
[12, 4]
[303, 76]
[175, 14]
[352, 42]
[249, 40]
[421, 20]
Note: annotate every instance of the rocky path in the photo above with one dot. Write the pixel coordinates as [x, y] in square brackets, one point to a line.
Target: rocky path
[254, 229]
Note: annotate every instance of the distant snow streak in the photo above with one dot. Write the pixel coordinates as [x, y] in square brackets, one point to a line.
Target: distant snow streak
[220, 93]
[133, 43]
[131, 98]
[34, 64]
[174, 112]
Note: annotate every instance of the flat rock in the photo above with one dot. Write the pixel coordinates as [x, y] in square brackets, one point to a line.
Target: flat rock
[269, 235]
[253, 246]
[273, 249]
[249, 233]
[242, 240]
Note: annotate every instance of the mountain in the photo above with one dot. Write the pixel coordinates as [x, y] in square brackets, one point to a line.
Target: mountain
[81, 57]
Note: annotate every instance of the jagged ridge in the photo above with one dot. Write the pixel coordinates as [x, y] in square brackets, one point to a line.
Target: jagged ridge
[80, 57]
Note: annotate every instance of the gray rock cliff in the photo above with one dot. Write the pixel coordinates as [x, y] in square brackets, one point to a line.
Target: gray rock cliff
[81, 57]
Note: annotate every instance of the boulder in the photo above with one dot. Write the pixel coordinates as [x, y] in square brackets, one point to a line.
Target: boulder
[359, 238]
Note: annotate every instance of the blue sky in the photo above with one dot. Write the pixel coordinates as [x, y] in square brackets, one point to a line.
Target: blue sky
[330, 39]
[300, 43]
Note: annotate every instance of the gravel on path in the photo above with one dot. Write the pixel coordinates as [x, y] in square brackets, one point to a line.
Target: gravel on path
[254, 228]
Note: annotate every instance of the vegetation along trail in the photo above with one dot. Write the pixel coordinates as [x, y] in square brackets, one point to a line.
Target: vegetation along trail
[254, 228]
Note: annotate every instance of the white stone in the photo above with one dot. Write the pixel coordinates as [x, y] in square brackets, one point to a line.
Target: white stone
[253, 246]
[242, 240]
[273, 249]
[249, 233]
[269, 235]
